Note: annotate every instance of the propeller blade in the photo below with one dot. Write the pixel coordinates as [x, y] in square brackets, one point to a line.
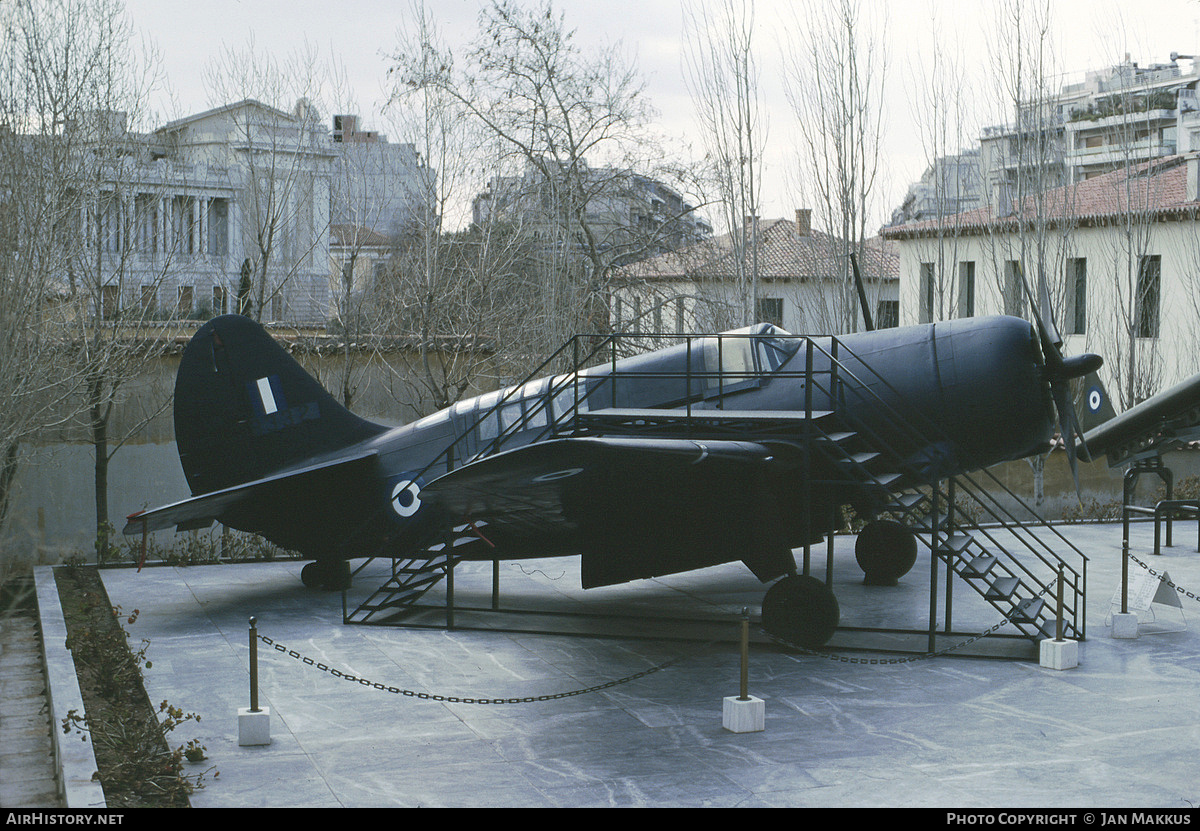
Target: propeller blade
[1068, 427]
[1045, 314]
[862, 295]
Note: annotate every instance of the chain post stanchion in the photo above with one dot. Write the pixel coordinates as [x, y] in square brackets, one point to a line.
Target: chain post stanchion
[254, 722]
[744, 688]
[1058, 609]
[254, 665]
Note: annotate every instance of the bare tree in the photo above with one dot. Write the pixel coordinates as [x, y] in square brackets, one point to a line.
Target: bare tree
[941, 105]
[569, 127]
[836, 69]
[72, 186]
[722, 76]
[283, 156]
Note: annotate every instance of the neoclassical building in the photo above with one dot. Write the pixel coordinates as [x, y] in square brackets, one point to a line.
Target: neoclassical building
[224, 210]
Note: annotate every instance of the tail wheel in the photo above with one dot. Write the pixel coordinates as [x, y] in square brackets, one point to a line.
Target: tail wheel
[885, 550]
[801, 610]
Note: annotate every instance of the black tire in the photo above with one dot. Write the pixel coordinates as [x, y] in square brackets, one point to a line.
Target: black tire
[885, 550]
[801, 610]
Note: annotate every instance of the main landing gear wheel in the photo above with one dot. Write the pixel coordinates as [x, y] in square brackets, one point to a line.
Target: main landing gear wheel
[326, 576]
[885, 550]
[801, 610]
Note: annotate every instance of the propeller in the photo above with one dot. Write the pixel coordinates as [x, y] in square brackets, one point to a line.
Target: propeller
[1060, 371]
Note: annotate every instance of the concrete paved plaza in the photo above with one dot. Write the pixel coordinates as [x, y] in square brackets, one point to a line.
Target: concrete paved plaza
[852, 728]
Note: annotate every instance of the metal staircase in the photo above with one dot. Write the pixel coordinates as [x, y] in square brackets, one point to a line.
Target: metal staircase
[1012, 564]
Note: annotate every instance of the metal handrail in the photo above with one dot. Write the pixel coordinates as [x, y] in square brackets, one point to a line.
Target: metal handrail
[842, 379]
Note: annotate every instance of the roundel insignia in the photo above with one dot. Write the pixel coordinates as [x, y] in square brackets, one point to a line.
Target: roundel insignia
[406, 497]
[558, 474]
[1095, 398]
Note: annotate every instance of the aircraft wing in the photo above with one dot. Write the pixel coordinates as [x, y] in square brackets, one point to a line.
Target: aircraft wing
[200, 511]
[633, 507]
[1163, 421]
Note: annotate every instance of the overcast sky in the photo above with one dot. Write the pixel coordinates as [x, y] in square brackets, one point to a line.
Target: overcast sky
[359, 34]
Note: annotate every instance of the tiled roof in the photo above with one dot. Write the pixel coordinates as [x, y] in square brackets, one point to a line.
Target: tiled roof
[783, 253]
[1158, 188]
[350, 235]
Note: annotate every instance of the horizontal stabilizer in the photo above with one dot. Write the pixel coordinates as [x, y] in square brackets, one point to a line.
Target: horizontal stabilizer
[201, 511]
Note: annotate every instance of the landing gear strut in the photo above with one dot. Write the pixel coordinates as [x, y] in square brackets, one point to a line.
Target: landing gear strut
[326, 575]
[801, 610]
[885, 550]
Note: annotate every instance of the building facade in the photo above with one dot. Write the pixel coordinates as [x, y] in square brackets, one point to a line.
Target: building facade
[385, 188]
[790, 275]
[627, 216]
[226, 210]
[1119, 254]
[1114, 117]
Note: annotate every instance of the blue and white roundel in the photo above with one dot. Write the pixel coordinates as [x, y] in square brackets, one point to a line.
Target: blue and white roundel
[405, 496]
[1095, 399]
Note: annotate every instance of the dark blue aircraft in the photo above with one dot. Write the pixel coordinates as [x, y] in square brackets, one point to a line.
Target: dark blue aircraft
[721, 448]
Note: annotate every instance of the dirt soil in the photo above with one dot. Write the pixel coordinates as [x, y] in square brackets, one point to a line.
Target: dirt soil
[136, 766]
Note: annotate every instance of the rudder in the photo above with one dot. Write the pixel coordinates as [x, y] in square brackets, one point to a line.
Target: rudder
[244, 408]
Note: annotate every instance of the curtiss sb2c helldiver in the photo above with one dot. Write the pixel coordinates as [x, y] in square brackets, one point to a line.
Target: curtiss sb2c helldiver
[717, 449]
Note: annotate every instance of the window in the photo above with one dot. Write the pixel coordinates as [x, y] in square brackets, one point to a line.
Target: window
[1146, 317]
[149, 298]
[926, 289]
[1077, 296]
[220, 304]
[1012, 288]
[218, 227]
[146, 209]
[110, 299]
[966, 289]
[186, 302]
[887, 315]
[770, 310]
[109, 222]
[182, 223]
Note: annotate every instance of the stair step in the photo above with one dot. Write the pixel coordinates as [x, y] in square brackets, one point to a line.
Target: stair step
[955, 544]
[1002, 588]
[979, 566]
[884, 480]
[906, 501]
[859, 458]
[1027, 611]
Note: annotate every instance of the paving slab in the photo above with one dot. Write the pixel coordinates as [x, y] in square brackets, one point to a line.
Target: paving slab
[857, 726]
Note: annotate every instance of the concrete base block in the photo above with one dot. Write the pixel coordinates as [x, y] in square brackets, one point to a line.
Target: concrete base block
[1062, 654]
[254, 728]
[744, 716]
[1125, 625]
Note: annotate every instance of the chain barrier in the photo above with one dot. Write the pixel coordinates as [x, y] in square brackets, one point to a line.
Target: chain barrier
[1162, 578]
[454, 699]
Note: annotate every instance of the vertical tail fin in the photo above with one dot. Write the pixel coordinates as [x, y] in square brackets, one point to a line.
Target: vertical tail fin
[1092, 408]
[244, 408]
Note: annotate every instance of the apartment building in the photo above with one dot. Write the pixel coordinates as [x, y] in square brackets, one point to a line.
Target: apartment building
[630, 216]
[1113, 117]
